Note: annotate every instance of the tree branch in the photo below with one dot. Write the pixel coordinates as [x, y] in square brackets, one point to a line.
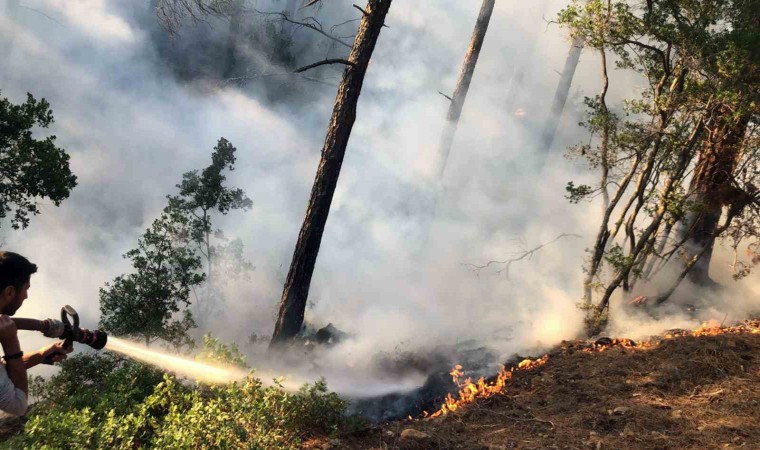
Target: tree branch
[519, 256]
[450, 99]
[325, 62]
[284, 17]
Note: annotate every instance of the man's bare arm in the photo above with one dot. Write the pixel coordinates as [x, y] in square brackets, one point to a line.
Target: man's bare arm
[53, 353]
[13, 365]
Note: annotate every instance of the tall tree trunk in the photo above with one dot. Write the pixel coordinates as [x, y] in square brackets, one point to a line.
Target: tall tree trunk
[463, 84]
[233, 37]
[711, 190]
[560, 98]
[297, 284]
[6, 44]
[516, 88]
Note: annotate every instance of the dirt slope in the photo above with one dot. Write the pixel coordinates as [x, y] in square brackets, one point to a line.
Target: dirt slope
[684, 392]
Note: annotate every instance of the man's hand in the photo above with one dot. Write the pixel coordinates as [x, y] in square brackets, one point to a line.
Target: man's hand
[54, 353]
[8, 331]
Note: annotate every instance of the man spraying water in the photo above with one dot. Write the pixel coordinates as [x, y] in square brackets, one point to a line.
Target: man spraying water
[15, 277]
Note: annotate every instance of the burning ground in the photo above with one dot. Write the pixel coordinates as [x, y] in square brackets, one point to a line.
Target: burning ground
[684, 389]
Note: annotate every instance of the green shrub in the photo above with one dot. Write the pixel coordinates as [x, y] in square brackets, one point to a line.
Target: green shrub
[108, 402]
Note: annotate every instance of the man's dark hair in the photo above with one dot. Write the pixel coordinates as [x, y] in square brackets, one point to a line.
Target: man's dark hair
[15, 270]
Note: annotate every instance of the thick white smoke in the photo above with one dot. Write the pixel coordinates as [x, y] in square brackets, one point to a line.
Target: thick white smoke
[132, 129]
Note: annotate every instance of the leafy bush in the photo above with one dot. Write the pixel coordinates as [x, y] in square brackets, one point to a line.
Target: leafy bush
[105, 401]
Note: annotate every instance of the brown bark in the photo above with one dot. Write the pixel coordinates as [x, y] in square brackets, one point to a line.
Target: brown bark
[712, 189]
[463, 84]
[296, 290]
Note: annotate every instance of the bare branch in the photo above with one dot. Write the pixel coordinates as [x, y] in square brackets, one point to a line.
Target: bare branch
[519, 256]
[450, 99]
[40, 13]
[284, 17]
[325, 62]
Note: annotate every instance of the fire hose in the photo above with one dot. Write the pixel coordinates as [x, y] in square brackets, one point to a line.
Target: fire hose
[71, 331]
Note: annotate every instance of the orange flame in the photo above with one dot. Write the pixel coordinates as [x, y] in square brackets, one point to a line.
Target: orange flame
[470, 392]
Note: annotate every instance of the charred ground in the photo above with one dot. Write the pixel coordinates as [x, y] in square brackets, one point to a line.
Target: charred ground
[684, 390]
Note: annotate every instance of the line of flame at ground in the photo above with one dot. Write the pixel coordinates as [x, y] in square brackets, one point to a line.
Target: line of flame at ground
[470, 392]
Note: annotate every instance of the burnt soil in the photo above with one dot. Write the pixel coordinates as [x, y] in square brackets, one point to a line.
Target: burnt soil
[685, 392]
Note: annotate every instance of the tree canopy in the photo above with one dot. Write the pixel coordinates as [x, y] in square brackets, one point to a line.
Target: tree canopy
[683, 152]
[30, 169]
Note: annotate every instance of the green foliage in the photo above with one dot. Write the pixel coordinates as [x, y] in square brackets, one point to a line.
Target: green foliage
[152, 302]
[617, 258]
[215, 351]
[698, 64]
[100, 382]
[133, 406]
[201, 195]
[577, 193]
[146, 303]
[204, 193]
[31, 169]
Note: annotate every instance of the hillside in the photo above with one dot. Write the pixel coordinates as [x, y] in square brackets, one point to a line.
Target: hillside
[686, 389]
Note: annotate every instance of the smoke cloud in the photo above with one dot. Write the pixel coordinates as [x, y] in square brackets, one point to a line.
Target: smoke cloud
[132, 128]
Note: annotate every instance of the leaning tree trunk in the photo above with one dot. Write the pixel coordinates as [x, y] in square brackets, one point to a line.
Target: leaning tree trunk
[463, 84]
[296, 289]
[560, 98]
[711, 190]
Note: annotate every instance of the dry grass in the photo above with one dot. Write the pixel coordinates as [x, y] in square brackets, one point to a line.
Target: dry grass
[685, 393]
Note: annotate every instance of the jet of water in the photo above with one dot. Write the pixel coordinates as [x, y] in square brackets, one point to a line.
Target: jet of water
[196, 370]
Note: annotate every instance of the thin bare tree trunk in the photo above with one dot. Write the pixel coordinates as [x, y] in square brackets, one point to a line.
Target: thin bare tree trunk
[6, 45]
[605, 132]
[233, 36]
[291, 10]
[518, 76]
[663, 240]
[463, 85]
[604, 233]
[662, 207]
[560, 98]
[697, 256]
[296, 290]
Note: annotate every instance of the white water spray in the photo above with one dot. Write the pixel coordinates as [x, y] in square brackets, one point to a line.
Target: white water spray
[196, 370]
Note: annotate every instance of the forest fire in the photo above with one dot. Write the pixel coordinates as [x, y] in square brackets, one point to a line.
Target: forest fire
[469, 391]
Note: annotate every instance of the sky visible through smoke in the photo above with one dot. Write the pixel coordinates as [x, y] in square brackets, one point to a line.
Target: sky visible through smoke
[132, 129]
